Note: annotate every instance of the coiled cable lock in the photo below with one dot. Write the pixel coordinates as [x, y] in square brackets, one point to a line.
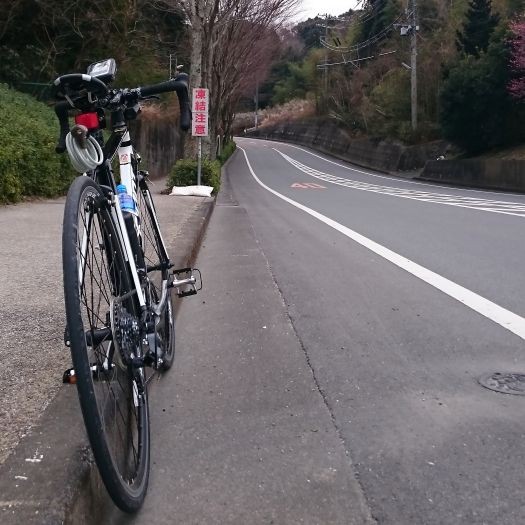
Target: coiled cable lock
[84, 152]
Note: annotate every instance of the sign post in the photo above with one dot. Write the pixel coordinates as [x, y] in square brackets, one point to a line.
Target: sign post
[199, 127]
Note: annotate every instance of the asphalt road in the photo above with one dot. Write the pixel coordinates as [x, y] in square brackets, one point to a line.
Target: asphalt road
[398, 357]
[327, 373]
[240, 431]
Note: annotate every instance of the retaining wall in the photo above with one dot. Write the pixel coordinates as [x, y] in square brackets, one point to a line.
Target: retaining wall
[486, 173]
[391, 156]
[159, 143]
[326, 136]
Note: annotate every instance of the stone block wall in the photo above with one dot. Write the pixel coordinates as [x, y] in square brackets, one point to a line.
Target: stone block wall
[478, 173]
[159, 142]
[327, 137]
[390, 156]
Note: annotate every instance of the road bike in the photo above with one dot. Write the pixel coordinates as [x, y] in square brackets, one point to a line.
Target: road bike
[118, 277]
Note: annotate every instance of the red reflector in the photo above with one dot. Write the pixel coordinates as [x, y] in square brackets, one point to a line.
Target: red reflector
[90, 120]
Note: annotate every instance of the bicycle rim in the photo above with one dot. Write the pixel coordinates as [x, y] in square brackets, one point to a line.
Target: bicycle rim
[102, 319]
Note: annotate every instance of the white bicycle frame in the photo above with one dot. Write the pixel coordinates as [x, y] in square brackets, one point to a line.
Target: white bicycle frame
[129, 178]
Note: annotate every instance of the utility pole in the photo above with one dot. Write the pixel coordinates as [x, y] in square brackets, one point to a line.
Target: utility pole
[256, 103]
[326, 57]
[413, 64]
[411, 27]
[325, 83]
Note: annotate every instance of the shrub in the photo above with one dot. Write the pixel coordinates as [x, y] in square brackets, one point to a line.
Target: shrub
[29, 165]
[184, 173]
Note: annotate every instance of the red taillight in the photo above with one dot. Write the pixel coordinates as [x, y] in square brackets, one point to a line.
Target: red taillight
[90, 120]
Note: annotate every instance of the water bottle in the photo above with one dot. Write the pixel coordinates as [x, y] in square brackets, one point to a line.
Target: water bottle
[125, 199]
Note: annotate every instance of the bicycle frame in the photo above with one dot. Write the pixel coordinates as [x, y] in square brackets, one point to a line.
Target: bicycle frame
[129, 178]
[120, 144]
[120, 320]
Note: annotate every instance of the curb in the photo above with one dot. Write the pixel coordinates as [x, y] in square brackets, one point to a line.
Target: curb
[50, 477]
[459, 184]
[190, 238]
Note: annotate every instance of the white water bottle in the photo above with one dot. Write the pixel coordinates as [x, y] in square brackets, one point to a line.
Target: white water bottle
[125, 199]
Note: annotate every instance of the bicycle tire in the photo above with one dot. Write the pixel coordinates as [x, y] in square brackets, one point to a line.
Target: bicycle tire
[101, 312]
[155, 256]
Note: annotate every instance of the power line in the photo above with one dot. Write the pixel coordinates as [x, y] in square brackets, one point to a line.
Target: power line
[354, 49]
[354, 61]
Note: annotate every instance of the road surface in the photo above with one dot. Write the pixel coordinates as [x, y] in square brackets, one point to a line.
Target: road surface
[328, 372]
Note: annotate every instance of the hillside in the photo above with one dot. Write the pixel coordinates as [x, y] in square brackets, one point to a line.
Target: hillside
[356, 69]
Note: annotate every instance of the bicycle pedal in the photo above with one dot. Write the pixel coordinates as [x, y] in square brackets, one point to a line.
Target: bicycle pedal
[69, 377]
[183, 270]
[187, 293]
[189, 284]
[67, 341]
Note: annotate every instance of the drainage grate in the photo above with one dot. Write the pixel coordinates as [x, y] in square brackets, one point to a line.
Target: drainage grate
[504, 382]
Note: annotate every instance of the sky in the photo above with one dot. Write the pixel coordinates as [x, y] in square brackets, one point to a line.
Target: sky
[310, 8]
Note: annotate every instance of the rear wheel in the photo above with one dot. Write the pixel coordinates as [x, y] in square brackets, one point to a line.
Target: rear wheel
[103, 324]
[157, 261]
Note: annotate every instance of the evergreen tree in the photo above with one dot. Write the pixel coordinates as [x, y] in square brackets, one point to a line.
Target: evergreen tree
[477, 112]
[477, 29]
[517, 60]
[378, 15]
[310, 32]
[515, 7]
[61, 36]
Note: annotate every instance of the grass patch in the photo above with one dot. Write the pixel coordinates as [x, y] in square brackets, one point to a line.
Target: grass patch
[227, 151]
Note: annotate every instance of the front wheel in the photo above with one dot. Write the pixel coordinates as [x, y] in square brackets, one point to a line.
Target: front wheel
[103, 324]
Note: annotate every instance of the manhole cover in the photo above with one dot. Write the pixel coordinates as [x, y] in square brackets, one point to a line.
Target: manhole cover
[504, 382]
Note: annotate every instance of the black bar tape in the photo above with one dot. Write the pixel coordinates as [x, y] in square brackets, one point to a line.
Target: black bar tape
[163, 87]
[179, 84]
[61, 110]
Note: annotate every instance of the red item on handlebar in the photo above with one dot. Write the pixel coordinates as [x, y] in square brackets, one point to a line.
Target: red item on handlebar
[90, 120]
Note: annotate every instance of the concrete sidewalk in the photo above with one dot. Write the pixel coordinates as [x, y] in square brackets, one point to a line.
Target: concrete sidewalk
[46, 464]
[241, 432]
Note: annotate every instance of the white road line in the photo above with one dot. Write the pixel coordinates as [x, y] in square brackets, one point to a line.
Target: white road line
[505, 318]
[397, 179]
[493, 206]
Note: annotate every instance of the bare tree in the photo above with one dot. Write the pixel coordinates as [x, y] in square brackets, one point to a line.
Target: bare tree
[243, 60]
[229, 44]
